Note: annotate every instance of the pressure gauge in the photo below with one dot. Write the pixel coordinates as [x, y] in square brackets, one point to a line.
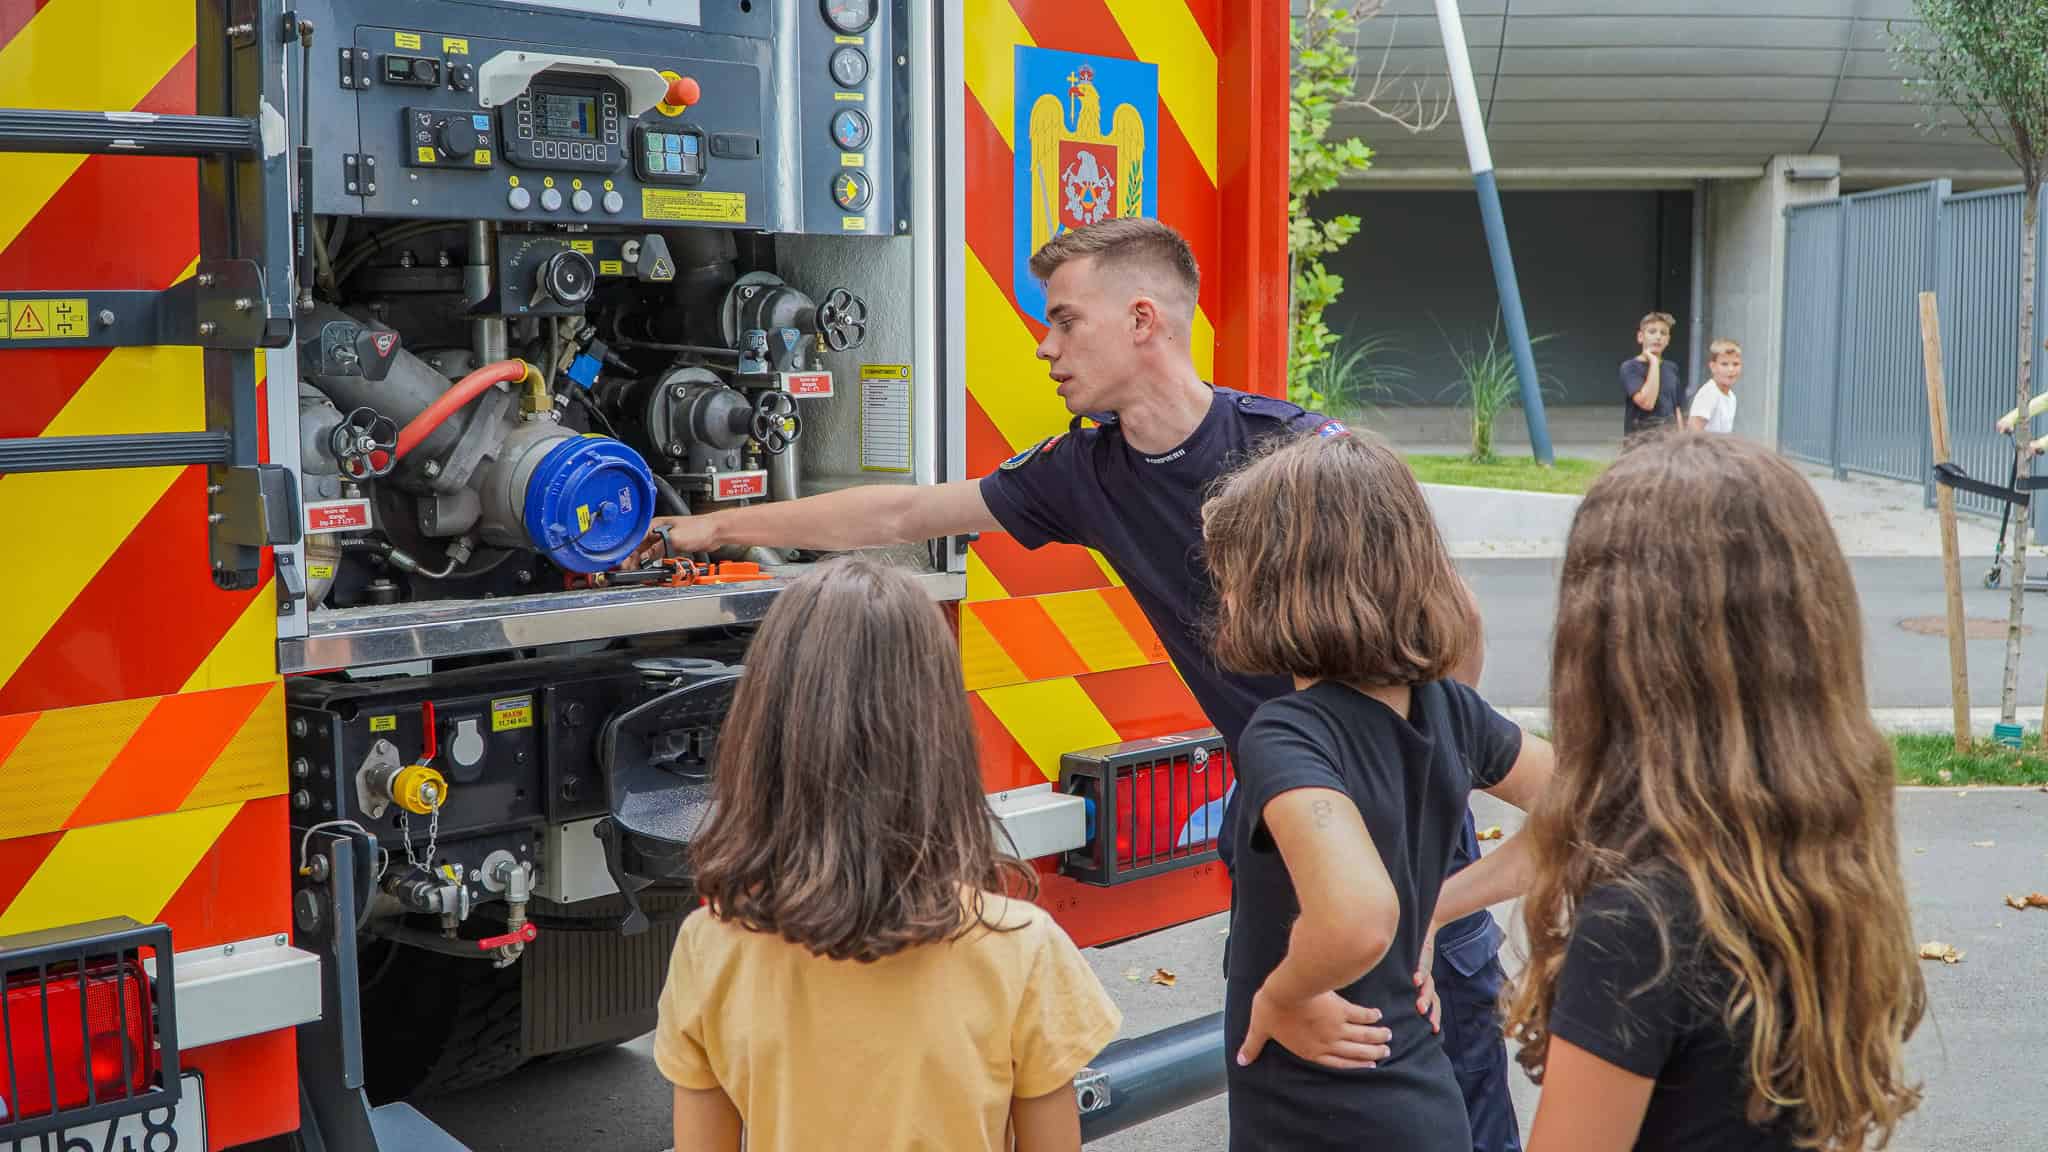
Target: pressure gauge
[851, 191]
[850, 129]
[850, 16]
[849, 66]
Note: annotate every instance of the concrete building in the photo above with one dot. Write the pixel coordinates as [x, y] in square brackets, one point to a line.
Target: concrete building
[1646, 150]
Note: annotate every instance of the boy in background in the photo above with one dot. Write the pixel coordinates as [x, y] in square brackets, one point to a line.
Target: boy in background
[1655, 391]
[1713, 409]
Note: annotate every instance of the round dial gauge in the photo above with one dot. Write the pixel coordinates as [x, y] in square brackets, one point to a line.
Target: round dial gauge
[850, 129]
[849, 66]
[850, 16]
[851, 190]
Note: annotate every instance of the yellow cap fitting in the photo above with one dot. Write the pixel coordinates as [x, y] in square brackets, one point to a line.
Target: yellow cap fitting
[419, 789]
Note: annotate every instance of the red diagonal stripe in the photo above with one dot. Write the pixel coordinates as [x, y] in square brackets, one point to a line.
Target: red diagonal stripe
[145, 621]
[1004, 763]
[240, 888]
[1209, 15]
[12, 729]
[19, 859]
[1144, 702]
[1033, 642]
[1187, 197]
[168, 755]
[1053, 568]
[81, 238]
[991, 181]
[15, 15]
[986, 448]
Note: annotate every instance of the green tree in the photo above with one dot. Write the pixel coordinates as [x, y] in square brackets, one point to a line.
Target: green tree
[1325, 62]
[1988, 61]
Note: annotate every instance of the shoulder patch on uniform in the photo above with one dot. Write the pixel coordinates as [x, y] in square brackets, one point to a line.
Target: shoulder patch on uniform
[1332, 428]
[1031, 453]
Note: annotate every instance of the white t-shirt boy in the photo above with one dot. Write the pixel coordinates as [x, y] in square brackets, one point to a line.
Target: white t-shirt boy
[1714, 406]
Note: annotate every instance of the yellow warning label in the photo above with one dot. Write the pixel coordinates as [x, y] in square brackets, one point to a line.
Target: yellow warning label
[584, 246]
[454, 46]
[511, 712]
[406, 39]
[852, 160]
[583, 517]
[853, 223]
[383, 723]
[63, 319]
[611, 267]
[483, 157]
[701, 207]
[321, 571]
[426, 154]
[849, 40]
[885, 371]
[850, 97]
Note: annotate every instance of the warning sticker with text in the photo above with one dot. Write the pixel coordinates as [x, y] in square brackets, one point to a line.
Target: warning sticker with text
[63, 319]
[511, 712]
[693, 205]
[323, 516]
[807, 383]
[740, 486]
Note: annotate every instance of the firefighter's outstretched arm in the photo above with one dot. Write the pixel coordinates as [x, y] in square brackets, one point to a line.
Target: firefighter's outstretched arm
[870, 516]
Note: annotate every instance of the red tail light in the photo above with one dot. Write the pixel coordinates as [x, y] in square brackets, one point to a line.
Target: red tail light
[75, 1037]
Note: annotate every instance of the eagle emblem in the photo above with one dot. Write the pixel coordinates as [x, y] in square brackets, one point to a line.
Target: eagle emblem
[1087, 149]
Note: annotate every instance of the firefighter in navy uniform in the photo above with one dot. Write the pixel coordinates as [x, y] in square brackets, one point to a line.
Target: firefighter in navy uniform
[1121, 297]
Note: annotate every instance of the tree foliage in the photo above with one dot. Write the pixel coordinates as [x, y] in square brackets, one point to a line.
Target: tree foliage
[1325, 60]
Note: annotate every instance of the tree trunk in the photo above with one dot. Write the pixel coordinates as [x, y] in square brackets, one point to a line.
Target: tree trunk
[2030, 217]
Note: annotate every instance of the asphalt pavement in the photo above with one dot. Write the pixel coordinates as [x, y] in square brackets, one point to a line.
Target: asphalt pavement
[1978, 1055]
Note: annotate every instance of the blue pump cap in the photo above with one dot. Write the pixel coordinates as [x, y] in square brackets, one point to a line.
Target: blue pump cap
[583, 370]
[589, 504]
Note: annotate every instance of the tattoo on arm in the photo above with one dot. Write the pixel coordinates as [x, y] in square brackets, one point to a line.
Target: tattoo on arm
[1324, 813]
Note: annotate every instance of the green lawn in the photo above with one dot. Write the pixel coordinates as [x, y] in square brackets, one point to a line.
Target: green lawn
[1568, 476]
[1932, 760]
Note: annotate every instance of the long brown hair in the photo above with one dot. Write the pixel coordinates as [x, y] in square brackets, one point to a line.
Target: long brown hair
[1328, 565]
[1707, 697]
[850, 817]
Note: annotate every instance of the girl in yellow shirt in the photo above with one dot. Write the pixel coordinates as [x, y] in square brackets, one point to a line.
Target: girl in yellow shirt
[861, 977]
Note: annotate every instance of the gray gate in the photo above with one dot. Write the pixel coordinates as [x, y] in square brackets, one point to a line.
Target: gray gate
[1853, 395]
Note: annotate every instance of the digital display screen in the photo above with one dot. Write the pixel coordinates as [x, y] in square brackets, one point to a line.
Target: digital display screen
[566, 117]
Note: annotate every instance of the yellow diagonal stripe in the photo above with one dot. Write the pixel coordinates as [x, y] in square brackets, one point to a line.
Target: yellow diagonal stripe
[252, 765]
[1108, 570]
[81, 55]
[982, 583]
[79, 519]
[983, 663]
[1004, 373]
[248, 653]
[60, 759]
[994, 32]
[1165, 32]
[128, 868]
[1050, 718]
[1204, 345]
[1092, 627]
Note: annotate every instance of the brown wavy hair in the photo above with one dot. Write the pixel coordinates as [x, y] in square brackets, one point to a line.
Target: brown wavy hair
[1707, 695]
[849, 813]
[1328, 565]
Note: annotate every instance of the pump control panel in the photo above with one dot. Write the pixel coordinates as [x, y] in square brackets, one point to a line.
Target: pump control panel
[714, 115]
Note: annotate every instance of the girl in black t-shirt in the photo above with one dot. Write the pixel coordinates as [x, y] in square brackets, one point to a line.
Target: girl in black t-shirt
[1720, 953]
[1351, 795]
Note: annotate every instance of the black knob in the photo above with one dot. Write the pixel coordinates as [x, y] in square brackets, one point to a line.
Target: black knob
[426, 71]
[458, 137]
[568, 277]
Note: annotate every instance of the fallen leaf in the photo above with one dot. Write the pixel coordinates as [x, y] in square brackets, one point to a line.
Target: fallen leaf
[1983, 843]
[1133, 975]
[1919, 851]
[1946, 953]
[2019, 902]
[1964, 794]
[2037, 900]
[1164, 978]
[1944, 775]
[1491, 833]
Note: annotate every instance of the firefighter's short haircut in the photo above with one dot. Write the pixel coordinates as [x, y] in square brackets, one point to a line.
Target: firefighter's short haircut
[1132, 244]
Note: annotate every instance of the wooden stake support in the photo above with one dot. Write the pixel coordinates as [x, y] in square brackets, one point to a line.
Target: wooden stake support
[1951, 559]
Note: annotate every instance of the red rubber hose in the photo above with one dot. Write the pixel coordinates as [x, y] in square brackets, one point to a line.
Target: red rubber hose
[454, 399]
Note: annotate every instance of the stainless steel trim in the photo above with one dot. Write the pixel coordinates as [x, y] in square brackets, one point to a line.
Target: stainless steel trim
[932, 382]
[1040, 821]
[242, 989]
[358, 637]
[572, 867]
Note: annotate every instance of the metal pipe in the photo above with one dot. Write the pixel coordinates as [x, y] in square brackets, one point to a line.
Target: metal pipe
[1696, 350]
[1147, 1076]
[486, 333]
[1481, 157]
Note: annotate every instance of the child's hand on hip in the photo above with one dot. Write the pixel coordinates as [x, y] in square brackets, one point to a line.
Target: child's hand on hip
[1325, 1029]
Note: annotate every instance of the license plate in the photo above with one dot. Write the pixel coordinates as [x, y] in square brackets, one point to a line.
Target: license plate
[179, 1128]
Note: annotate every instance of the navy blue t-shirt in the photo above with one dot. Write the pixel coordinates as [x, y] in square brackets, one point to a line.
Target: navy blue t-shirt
[1670, 406]
[1144, 514]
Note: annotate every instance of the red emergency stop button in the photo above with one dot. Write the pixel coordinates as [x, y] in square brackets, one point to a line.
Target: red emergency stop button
[683, 92]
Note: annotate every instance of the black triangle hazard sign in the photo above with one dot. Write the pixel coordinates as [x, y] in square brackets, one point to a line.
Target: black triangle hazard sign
[28, 322]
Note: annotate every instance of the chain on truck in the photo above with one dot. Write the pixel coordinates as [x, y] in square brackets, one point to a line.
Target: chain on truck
[353, 344]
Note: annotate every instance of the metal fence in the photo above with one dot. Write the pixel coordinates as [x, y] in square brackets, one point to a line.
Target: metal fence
[1853, 397]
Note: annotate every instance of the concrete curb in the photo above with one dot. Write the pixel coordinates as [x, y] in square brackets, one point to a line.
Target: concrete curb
[1892, 720]
[1501, 521]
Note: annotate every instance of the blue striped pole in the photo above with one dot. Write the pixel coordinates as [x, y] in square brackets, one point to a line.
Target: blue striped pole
[1469, 118]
